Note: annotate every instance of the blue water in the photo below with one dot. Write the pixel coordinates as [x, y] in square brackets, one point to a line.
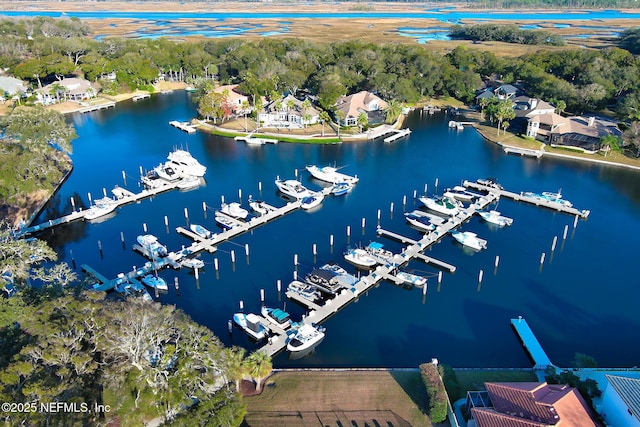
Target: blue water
[583, 298]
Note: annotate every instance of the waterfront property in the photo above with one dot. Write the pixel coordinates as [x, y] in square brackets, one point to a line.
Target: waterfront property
[362, 102]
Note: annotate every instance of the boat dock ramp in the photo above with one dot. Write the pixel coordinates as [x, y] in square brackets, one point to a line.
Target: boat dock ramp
[531, 344]
[184, 126]
[533, 200]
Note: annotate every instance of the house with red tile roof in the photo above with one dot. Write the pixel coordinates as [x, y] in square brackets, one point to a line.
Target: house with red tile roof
[528, 405]
[362, 102]
[234, 99]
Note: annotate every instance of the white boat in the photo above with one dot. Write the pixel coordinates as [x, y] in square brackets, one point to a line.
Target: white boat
[420, 222]
[293, 188]
[101, 207]
[225, 222]
[548, 196]
[135, 290]
[489, 182]
[234, 209]
[189, 182]
[304, 338]
[200, 231]
[186, 163]
[469, 239]
[347, 280]
[341, 188]
[250, 323]
[305, 290]
[259, 206]
[440, 205]
[378, 251]
[460, 193]
[360, 257]
[150, 246]
[412, 279]
[311, 202]
[192, 263]
[331, 174]
[494, 217]
[167, 172]
[154, 282]
[277, 316]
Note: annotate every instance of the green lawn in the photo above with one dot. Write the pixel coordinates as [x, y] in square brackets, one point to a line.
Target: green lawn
[474, 379]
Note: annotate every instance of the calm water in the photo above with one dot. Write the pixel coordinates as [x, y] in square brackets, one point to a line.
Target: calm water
[583, 299]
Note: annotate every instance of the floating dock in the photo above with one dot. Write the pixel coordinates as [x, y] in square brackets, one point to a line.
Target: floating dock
[253, 140]
[141, 96]
[398, 134]
[522, 198]
[183, 126]
[523, 151]
[96, 107]
[530, 342]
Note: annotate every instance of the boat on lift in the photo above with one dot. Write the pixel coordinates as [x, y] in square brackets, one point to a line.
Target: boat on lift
[420, 222]
[259, 206]
[225, 222]
[461, 193]
[412, 279]
[277, 316]
[341, 188]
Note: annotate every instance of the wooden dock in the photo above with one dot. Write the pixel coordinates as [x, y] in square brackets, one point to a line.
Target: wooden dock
[141, 96]
[531, 344]
[96, 107]
[183, 126]
[527, 199]
[399, 133]
[523, 151]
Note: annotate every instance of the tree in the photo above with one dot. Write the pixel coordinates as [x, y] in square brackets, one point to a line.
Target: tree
[235, 364]
[362, 120]
[324, 117]
[632, 136]
[609, 143]
[581, 360]
[393, 110]
[259, 367]
[436, 394]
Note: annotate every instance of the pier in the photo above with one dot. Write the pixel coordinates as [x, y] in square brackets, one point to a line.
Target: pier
[523, 151]
[183, 126]
[383, 130]
[141, 96]
[530, 342]
[523, 198]
[398, 134]
[95, 107]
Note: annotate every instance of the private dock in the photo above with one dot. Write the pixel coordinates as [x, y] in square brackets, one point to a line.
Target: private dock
[399, 133]
[141, 96]
[530, 343]
[523, 151]
[528, 199]
[183, 126]
[95, 107]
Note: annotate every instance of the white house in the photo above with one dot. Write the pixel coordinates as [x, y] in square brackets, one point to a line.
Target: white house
[68, 89]
[621, 402]
[353, 105]
[11, 87]
[288, 112]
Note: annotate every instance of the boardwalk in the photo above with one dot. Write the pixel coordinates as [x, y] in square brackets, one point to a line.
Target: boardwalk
[531, 344]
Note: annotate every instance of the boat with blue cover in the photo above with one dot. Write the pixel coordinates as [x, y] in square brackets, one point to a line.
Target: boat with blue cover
[421, 222]
[200, 231]
[155, 282]
[441, 205]
[312, 201]
[277, 316]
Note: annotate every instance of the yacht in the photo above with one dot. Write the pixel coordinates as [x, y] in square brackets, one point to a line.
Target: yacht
[377, 250]
[461, 193]
[152, 179]
[167, 172]
[324, 280]
[421, 222]
[345, 279]
[150, 246]
[494, 217]
[200, 231]
[311, 202]
[293, 188]
[412, 279]
[235, 210]
[548, 196]
[258, 206]
[100, 208]
[225, 222]
[469, 239]
[186, 163]
[440, 205]
[305, 290]
[277, 316]
[250, 323]
[331, 174]
[360, 257]
[155, 282]
[306, 337]
[189, 182]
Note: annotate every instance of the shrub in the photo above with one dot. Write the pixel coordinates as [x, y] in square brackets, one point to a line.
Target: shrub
[436, 395]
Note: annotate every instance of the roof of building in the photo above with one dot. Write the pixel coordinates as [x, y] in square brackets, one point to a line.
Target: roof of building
[73, 85]
[297, 106]
[353, 105]
[533, 404]
[525, 106]
[629, 391]
[12, 85]
[233, 94]
[551, 119]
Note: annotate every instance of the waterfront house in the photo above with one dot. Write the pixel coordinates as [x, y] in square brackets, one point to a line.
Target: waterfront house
[621, 401]
[288, 112]
[362, 102]
[10, 88]
[584, 133]
[67, 89]
[528, 405]
[235, 100]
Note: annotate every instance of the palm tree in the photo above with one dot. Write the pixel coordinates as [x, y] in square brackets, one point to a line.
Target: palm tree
[393, 110]
[363, 120]
[259, 367]
[245, 109]
[235, 364]
[324, 117]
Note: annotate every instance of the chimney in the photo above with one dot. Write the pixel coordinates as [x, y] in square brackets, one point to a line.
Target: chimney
[591, 121]
[533, 102]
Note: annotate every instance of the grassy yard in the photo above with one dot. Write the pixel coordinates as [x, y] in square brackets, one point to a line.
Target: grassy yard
[474, 379]
[331, 397]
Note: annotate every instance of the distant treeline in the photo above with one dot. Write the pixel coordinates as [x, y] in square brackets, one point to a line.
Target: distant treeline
[504, 33]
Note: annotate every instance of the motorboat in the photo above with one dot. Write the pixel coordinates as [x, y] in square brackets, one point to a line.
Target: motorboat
[331, 174]
[305, 337]
[250, 323]
[259, 206]
[440, 205]
[235, 210]
[225, 222]
[192, 263]
[186, 163]
[305, 290]
[341, 188]
[548, 196]
[461, 193]
[293, 188]
[324, 280]
[152, 180]
[155, 282]
[200, 231]
[469, 239]
[360, 257]
[277, 316]
[333, 267]
[167, 172]
[101, 207]
[494, 217]
[311, 202]
[341, 275]
[189, 182]
[135, 290]
[489, 182]
[377, 250]
[150, 246]
[412, 279]
[421, 222]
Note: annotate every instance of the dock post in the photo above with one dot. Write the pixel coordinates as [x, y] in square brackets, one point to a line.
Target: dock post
[424, 289]
[262, 296]
[204, 207]
[295, 274]
[104, 191]
[241, 305]
[404, 200]
[553, 244]
[186, 214]
[195, 272]
[295, 173]
[100, 246]
[436, 184]
[564, 234]
[295, 260]
[73, 260]
[124, 178]
[542, 258]
[439, 277]
[315, 252]
[73, 203]
[215, 264]
[415, 194]
[240, 194]
[363, 222]
[90, 202]
[141, 173]
[230, 326]
[331, 240]
[233, 256]
[378, 215]
[144, 227]
[246, 249]
[175, 282]
[575, 221]
[222, 199]
[348, 230]
[279, 285]
[426, 187]
[260, 186]
[391, 207]
[480, 276]
[495, 264]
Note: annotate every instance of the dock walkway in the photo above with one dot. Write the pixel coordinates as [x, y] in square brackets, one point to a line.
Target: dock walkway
[531, 344]
[522, 151]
